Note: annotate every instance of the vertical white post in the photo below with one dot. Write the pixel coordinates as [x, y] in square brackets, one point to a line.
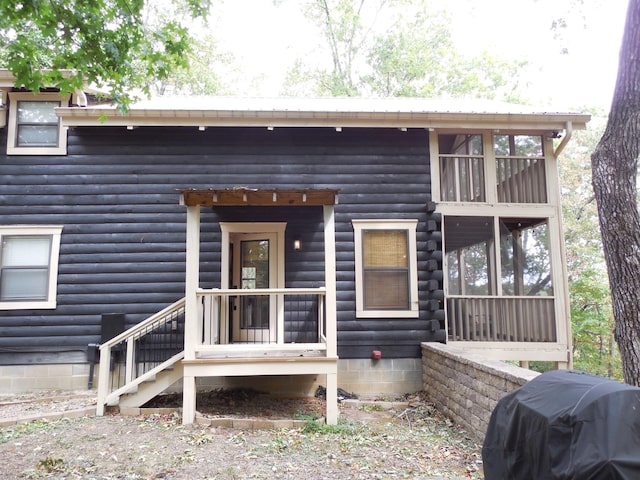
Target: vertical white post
[192, 275]
[332, 398]
[188, 400]
[103, 379]
[192, 326]
[330, 281]
[129, 368]
[330, 311]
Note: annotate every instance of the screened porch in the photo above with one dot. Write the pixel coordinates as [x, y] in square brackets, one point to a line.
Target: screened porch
[499, 278]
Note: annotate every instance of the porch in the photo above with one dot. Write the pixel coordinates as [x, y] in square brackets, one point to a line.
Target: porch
[261, 328]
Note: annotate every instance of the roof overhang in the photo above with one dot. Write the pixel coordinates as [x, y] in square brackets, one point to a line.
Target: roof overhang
[326, 112]
[235, 197]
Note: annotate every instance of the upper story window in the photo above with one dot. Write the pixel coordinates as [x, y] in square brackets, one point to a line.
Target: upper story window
[466, 161]
[34, 128]
[386, 268]
[28, 267]
[461, 168]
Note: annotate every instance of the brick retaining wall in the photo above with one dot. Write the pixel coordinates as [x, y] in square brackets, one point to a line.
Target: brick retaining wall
[465, 386]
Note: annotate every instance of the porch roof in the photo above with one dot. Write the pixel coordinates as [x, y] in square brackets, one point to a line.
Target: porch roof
[257, 197]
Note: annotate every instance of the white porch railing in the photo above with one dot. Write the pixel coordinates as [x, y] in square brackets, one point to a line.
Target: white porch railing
[295, 318]
[501, 319]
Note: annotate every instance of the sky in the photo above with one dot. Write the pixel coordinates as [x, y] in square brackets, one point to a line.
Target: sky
[265, 39]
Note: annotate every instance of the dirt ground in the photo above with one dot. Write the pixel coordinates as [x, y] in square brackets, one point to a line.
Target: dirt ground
[368, 443]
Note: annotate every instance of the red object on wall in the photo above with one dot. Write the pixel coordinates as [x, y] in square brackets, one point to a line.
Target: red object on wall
[376, 354]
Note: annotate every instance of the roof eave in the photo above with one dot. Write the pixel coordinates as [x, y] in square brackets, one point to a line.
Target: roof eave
[73, 117]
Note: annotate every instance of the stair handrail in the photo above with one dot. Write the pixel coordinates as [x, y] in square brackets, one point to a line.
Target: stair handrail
[140, 327]
[132, 333]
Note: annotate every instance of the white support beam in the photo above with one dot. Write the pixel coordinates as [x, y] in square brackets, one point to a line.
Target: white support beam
[332, 399]
[330, 280]
[192, 326]
[188, 399]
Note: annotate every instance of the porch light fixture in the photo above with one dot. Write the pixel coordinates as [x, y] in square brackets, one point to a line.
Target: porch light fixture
[270, 128]
[202, 128]
[130, 127]
[297, 244]
[338, 129]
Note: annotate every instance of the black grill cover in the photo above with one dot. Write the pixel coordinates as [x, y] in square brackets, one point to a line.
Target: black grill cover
[565, 425]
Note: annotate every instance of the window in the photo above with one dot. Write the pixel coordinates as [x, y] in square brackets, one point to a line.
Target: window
[34, 127]
[28, 267]
[386, 268]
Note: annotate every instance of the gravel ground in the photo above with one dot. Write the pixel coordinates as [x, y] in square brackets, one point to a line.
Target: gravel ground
[368, 443]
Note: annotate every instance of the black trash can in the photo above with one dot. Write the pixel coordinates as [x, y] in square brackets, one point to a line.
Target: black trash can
[565, 425]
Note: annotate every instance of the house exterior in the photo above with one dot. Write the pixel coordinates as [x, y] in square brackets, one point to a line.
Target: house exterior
[277, 243]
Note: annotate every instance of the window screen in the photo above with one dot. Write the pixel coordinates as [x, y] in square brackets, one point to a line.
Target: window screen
[385, 269]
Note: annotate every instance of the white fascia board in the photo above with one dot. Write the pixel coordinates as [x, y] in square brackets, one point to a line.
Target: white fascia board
[73, 117]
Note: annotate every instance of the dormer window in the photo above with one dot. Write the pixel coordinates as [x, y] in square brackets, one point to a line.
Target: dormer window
[34, 127]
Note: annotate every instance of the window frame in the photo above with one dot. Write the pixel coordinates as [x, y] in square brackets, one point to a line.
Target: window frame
[408, 225]
[3, 108]
[12, 132]
[55, 232]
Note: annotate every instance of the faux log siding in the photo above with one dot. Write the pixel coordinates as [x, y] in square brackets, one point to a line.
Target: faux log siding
[122, 245]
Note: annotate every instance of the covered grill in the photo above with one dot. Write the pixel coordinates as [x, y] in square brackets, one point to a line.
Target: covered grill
[565, 425]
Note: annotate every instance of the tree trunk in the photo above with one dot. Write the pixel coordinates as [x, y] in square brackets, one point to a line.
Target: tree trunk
[614, 166]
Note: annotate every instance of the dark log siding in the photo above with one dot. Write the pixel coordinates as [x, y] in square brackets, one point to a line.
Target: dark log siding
[123, 241]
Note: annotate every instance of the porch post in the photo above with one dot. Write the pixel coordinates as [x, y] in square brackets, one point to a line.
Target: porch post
[330, 311]
[330, 280]
[192, 328]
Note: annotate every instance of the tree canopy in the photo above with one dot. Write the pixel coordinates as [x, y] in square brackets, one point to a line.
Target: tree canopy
[393, 48]
[107, 43]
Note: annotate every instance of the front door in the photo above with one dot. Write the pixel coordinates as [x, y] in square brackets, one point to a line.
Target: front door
[252, 259]
[254, 267]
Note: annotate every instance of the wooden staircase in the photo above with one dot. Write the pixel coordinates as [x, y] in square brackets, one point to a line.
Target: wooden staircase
[143, 361]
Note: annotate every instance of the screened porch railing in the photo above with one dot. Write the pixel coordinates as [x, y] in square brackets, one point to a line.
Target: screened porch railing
[462, 178]
[291, 316]
[521, 180]
[501, 319]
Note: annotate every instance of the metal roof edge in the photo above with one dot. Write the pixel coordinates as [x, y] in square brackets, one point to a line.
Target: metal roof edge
[100, 116]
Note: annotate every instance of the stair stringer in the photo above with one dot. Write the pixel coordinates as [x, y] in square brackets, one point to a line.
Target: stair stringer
[147, 386]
